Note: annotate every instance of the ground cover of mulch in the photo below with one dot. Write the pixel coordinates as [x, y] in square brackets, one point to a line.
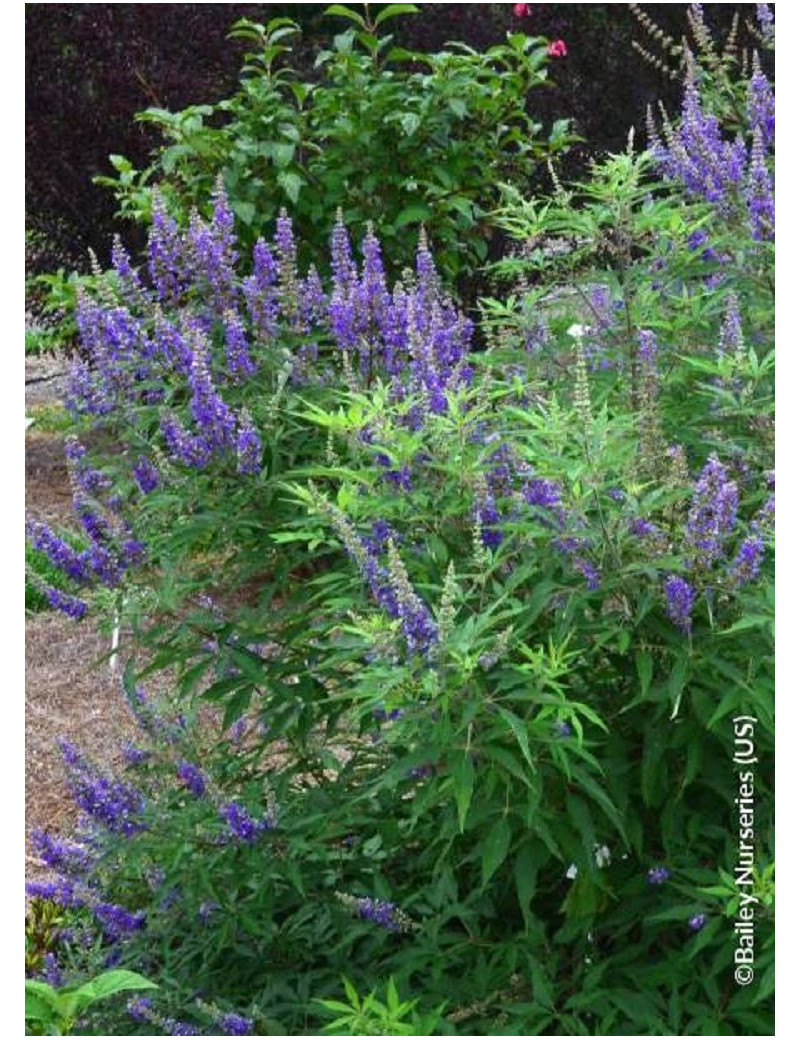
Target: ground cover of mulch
[70, 690]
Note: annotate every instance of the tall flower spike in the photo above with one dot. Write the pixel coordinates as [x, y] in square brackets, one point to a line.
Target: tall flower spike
[680, 600]
[712, 515]
[248, 445]
[164, 253]
[343, 268]
[261, 293]
[115, 804]
[761, 104]
[418, 625]
[237, 351]
[286, 250]
[760, 193]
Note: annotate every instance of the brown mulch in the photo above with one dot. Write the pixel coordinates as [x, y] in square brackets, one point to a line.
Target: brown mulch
[71, 693]
[69, 688]
[47, 491]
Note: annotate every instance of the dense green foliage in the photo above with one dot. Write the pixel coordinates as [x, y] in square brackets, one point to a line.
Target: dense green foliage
[381, 134]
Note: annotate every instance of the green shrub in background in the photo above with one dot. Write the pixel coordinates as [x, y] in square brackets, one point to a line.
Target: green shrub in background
[385, 135]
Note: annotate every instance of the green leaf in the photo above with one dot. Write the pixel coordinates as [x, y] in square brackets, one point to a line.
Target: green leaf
[41, 1001]
[495, 849]
[525, 880]
[417, 213]
[245, 211]
[644, 669]
[410, 122]
[521, 734]
[340, 11]
[394, 11]
[109, 983]
[291, 184]
[463, 773]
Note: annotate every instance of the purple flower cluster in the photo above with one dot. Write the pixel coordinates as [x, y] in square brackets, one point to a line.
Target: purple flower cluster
[710, 167]
[680, 600]
[232, 1024]
[248, 445]
[658, 875]
[192, 778]
[115, 804]
[261, 294]
[66, 857]
[141, 1010]
[766, 21]
[413, 334]
[62, 891]
[242, 827]
[760, 193]
[747, 564]
[487, 517]
[112, 549]
[390, 585]
[211, 255]
[712, 515]
[381, 912]
[146, 475]
[149, 718]
[116, 921]
[761, 107]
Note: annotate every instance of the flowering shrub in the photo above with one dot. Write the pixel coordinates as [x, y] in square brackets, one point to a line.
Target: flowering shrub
[478, 624]
[387, 135]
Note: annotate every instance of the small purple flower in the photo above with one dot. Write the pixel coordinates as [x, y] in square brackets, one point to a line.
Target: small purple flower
[140, 1009]
[207, 910]
[761, 107]
[562, 729]
[115, 804]
[696, 239]
[232, 1024]
[680, 599]
[696, 922]
[712, 514]
[67, 857]
[658, 875]
[242, 826]
[766, 21]
[237, 351]
[747, 565]
[135, 756]
[192, 778]
[383, 913]
[760, 193]
[146, 475]
[62, 892]
[69, 605]
[116, 921]
[51, 971]
[648, 347]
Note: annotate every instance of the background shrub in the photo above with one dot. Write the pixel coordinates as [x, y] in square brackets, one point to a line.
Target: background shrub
[89, 70]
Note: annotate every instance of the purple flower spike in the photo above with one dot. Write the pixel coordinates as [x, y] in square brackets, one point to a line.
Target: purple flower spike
[680, 599]
[192, 778]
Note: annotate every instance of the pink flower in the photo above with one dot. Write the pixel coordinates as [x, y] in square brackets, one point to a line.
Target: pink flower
[556, 48]
[522, 10]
